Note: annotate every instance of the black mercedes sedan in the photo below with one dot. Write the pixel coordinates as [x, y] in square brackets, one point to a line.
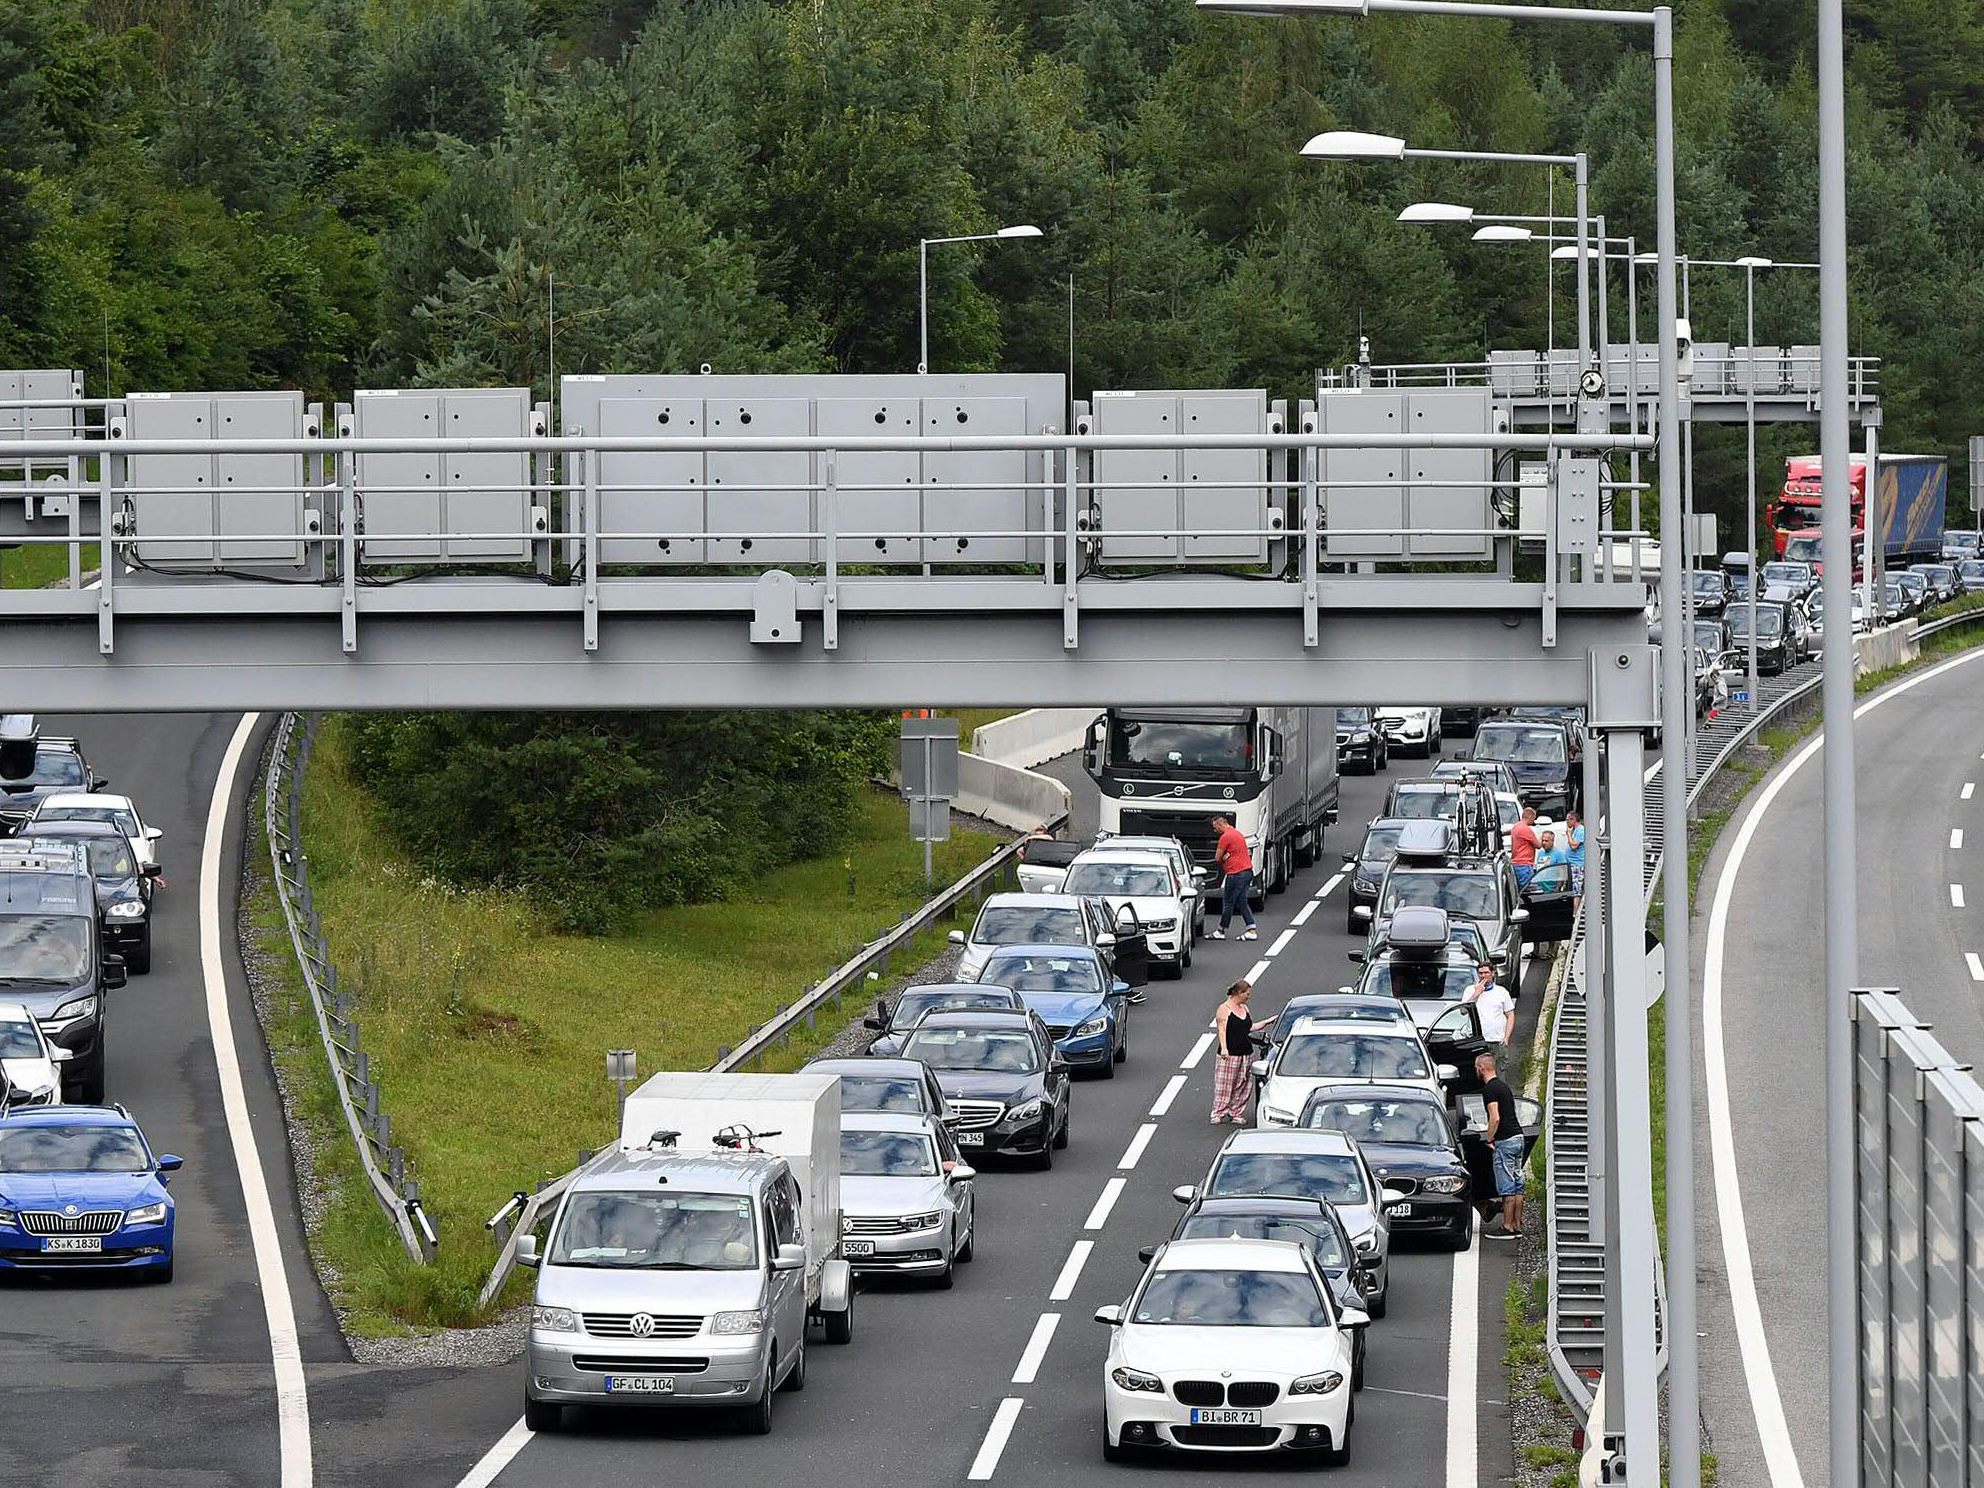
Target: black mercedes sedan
[1410, 1142]
[1007, 1084]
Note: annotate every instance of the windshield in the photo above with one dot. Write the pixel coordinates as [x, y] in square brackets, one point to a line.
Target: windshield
[72, 1149]
[1961, 542]
[1971, 568]
[44, 948]
[1165, 744]
[1044, 973]
[1351, 718]
[110, 857]
[1006, 1051]
[1425, 805]
[912, 1005]
[1379, 843]
[1769, 622]
[57, 767]
[879, 1154]
[109, 816]
[1334, 1176]
[1709, 637]
[657, 1232]
[1912, 582]
[1120, 881]
[1805, 548]
[1470, 894]
[1353, 1056]
[883, 1093]
[1412, 1123]
[18, 1041]
[1708, 583]
[1524, 746]
[1321, 1238]
[1232, 1299]
[1025, 924]
[1786, 573]
[1427, 980]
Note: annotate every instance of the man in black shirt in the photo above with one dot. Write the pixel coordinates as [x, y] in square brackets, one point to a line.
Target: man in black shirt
[1505, 1139]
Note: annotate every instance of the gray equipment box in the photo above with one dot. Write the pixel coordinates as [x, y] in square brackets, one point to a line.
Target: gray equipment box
[1211, 506]
[57, 417]
[419, 508]
[1770, 369]
[226, 510]
[1364, 491]
[753, 507]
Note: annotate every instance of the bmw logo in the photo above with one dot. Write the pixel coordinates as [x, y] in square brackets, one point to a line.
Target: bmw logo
[1226, 1374]
[641, 1325]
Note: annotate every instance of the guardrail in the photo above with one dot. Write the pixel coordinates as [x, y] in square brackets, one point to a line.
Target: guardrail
[526, 1209]
[358, 1093]
[1575, 1326]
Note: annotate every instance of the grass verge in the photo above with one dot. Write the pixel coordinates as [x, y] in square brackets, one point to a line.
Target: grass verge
[34, 567]
[487, 1030]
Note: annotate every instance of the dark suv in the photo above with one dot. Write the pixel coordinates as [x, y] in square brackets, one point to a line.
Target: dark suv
[1544, 756]
[32, 767]
[52, 956]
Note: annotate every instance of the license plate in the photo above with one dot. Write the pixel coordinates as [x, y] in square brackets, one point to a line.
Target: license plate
[1224, 1415]
[640, 1384]
[73, 1244]
[1399, 1211]
[971, 1139]
[852, 1248]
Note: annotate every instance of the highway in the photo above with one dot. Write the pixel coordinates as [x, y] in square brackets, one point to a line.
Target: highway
[997, 1380]
[1921, 839]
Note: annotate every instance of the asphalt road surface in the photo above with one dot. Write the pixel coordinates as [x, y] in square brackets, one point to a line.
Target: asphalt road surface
[235, 1374]
[1921, 844]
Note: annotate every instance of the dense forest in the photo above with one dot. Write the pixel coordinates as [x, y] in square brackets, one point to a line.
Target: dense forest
[329, 193]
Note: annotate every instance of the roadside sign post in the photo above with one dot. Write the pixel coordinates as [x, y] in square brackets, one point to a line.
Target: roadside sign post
[620, 1070]
[929, 769]
[1977, 473]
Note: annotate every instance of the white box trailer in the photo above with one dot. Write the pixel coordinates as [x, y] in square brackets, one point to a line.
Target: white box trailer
[796, 1117]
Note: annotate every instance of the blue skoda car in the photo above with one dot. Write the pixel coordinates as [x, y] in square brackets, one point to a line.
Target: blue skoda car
[1070, 987]
[81, 1190]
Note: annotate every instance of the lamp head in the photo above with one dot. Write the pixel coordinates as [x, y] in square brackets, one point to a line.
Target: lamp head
[1024, 230]
[1436, 212]
[1502, 232]
[1351, 144]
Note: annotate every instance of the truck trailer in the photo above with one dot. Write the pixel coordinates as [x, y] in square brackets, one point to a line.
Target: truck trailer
[1911, 492]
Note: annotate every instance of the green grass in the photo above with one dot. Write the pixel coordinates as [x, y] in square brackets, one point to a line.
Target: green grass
[488, 1031]
[33, 567]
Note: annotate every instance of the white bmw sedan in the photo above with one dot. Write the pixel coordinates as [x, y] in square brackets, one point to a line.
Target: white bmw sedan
[1233, 1346]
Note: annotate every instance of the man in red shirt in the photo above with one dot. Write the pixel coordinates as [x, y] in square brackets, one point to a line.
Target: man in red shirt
[1523, 842]
[1232, 858]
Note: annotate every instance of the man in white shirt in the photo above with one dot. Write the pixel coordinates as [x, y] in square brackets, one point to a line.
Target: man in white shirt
[1493, 1004]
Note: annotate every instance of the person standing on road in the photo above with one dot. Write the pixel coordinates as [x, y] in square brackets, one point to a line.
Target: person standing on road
[1574, 851]
[1232, 859]
[1233, 1056]
[1493, 1004]
[1522, 846]
[1549, 852]
[1505, 1140]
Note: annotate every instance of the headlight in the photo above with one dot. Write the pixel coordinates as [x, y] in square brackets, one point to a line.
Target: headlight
[1446, 1183]
[1366, 1243]
[7, 1219]
[1276, 1116]
[555, 1319]
[128, 909]
[1098, 1024]
[928, 1221]
[1024, 1111]
[1136, 1379]
[80, 1007]
[750, 1320]
[150, 1214]
[1160, 927]
[1317, 1384]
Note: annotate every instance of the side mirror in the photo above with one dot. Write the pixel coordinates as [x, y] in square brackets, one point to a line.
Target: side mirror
[878, 1024]
[956, 937]
[152, 834]
[1112, 1314]
[150, 870]
[1517, 916]
[113, 972]
[1259, 1068]
[59, 1055]
[1184, 1193]
[170, 1163]
[962, 1174]
[1446, 1072]
[98, 783]
[790, 1258]
[1393, 1195]
[1362, 912]
[1350, 860]
[1199, 875]
[1356, 956]
[1147, 1254]
[527, 1251]
[1353, 1317]
[1105, 941]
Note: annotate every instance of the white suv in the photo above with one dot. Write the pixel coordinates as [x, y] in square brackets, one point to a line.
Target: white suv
[1148, 884]
[1181, 864]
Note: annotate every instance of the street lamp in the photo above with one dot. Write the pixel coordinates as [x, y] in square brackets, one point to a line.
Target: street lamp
[1023, 230]
[1638, 1387]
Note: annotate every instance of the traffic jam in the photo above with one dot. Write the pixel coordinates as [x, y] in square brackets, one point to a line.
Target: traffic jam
[81, 1188]
[739, 1215]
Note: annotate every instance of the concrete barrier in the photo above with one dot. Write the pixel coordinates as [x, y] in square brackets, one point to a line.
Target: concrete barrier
[1033, 737]
[1010, 796]
[1890, 646]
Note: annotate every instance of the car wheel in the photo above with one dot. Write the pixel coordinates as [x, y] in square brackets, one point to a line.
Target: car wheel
[161, 1275]
[1185, 959]
[795, 1381]
[1462, 1234]
[1351, 923]
[542, 1415]
[947, 1278]
[1067, 1121]
[840, 1325]
[89, 1090]
[758, 1417]
[968, 1250]
[1380, 1304]
[139, 957]
[1110, 1451]
[1357, 1365]
[1338, 1454]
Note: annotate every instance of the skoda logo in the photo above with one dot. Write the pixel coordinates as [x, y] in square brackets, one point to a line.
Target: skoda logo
[641, 1325]
[68, 1208]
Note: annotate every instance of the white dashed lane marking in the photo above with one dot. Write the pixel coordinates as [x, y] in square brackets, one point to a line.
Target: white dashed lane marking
[1170, 1093]
[1099, 1215]
[1036, 1348]
[1071, 1271]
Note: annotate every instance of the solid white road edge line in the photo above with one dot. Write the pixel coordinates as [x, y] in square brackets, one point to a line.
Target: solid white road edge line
[498, 1457]
[986, 1462]
[1099, 1215]
[1036, 1348]
[1956, 896]
[292, 1397]
[1976, 965]
[1071, 1271]
[1281, 941]
[1463, 1365]
[1162, 1105]
[1198, 1052]
[1137, 1144]
[1766, 1403]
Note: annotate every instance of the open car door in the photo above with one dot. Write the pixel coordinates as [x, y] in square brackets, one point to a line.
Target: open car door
[1454, 1038]
[1550, 902]
[1131, 953]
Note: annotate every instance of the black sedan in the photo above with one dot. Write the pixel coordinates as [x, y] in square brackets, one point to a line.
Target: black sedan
[895, 1087]
[1712, 590]
[1007, 1084]
[1366, 867]
[123, 886]
[1310, 1223]
[892, 1027]
[1360, 743]
[1410, 1142]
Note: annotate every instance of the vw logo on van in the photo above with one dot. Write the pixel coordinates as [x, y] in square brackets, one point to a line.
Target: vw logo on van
[641, 1325]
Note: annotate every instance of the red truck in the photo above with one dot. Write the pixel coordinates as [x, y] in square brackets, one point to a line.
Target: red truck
[1913, 490]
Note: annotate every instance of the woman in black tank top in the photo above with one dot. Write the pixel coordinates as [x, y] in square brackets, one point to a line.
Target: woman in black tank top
[1232, 1079]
